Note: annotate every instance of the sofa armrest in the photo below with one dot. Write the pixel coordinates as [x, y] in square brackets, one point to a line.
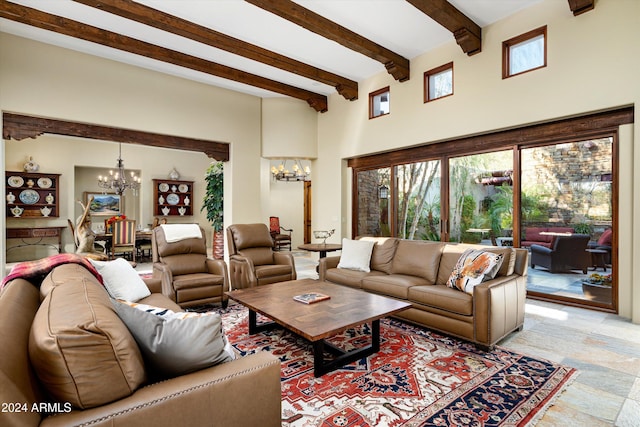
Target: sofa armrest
[281, 258]
[327, 263]
[241, 272]
[154, 285]
[498, 308]
[215, 396]
[162, 272]
[540, 249]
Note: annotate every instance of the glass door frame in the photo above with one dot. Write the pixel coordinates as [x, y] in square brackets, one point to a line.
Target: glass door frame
[592, 126]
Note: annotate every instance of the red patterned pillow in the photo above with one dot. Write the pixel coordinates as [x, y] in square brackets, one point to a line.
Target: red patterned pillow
[474, 267]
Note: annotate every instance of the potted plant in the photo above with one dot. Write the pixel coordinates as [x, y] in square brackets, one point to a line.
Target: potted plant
[213, 202]
[597, 287]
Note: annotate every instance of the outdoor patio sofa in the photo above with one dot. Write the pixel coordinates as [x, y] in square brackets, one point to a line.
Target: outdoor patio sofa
[93, 359]
[417, 272]
[567, 253]
[534, 236]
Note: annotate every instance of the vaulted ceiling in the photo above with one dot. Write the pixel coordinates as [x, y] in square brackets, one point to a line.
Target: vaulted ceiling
[305, 49]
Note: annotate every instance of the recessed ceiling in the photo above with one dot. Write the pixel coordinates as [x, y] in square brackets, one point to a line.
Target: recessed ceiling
[394, 24]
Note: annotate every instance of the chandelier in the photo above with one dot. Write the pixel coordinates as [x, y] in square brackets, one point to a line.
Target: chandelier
[117, 181]
[297, 172]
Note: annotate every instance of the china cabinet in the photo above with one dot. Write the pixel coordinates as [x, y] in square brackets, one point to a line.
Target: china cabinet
[172, 197]
[31, 195]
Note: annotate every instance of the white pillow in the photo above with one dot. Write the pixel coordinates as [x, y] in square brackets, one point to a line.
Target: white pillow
[121, 280]
[356, 255]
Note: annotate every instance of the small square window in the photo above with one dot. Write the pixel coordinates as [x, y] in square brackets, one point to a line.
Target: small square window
[438, 82]
[379, 103]
[524, 53]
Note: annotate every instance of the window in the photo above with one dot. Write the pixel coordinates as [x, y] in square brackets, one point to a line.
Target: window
[524, 53]
[438, 82]
[379, 103]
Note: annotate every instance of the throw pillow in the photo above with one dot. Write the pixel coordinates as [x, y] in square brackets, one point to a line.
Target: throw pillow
[121, 280]
[474, 267]
[356, 255]
[175, 343]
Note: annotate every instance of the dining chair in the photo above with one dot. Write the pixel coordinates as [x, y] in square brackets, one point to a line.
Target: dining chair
[281, 236]
[123, 239]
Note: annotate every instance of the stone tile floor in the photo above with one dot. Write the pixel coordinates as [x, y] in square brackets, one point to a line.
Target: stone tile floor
[604, 347]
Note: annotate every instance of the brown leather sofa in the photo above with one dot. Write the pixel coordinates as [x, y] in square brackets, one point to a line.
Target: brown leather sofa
[252, 261]
[417, 272]
[189, 278]
[215, 396]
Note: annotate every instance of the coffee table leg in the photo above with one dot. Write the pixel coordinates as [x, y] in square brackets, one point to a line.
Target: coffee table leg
[253, 319]
[321, 366]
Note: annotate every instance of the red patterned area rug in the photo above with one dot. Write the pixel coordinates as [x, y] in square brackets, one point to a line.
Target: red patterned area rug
[418, 378]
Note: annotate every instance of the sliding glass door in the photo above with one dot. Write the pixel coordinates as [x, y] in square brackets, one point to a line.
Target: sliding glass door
[567, 217]
[418, 200]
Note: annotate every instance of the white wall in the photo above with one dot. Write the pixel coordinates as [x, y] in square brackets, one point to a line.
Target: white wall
[593, 64]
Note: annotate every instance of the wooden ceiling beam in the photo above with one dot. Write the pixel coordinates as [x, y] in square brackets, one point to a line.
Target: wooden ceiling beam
[467, 33]
[396, 65]
[68, 27]
[173, 24]
[581, 6]
[19, 127]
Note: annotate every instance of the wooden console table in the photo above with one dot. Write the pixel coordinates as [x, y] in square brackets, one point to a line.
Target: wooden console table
[36, 233]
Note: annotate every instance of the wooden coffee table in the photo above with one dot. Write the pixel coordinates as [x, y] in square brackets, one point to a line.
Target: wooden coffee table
[347, 308]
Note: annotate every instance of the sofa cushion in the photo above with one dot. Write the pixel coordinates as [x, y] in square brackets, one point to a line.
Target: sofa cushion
[383, 252]
[473, 268]
[186, 263]
[417, 258]
[121, 280]
[395, 285]
[606, 238]
[175, 343]
[356, 255]
[258, 255]
[442, 297]
[78, 346]
[352, 278]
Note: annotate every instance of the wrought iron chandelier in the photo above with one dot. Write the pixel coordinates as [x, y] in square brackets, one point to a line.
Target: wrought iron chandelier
[298, 173]
[117, 181]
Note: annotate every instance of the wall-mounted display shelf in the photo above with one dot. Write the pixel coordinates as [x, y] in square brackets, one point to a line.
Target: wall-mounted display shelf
[31, 195]
[172, 197]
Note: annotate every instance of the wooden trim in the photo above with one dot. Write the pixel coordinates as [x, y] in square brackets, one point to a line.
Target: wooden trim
[579, 7]
[173, 24]
[433, 71]
[19, 127]
[467, 33]
[506, 50]
[583, 126]
[396, 65]
[373, 95]
[68, 27]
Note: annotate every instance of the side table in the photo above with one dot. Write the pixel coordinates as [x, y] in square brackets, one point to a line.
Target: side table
[323, 248]
[597, 259]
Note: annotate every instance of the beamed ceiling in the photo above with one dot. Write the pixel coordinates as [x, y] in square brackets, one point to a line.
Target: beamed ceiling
[305, 49]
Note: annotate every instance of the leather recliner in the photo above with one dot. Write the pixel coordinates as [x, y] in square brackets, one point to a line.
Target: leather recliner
[252, 261]
[188, 276]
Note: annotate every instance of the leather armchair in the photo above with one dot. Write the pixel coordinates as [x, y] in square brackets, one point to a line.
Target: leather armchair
[188, 276]
[566, 253]
[252, 261]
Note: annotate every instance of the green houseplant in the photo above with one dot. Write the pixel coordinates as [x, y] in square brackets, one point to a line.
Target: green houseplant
[213, 203]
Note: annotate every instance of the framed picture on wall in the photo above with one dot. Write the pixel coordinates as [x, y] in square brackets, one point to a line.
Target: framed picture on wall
[105, 204]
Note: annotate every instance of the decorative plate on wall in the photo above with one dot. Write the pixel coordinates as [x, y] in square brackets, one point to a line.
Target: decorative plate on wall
[29, 197]
[183, 188]
[15, 181]
[173, 199]
[164, 187]
[44, 182]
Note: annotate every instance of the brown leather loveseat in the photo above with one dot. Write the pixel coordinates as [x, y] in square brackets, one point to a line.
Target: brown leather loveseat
[417, 271]
[99, 367]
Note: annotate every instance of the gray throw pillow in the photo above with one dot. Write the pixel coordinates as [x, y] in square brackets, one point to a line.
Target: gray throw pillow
[175, 343]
